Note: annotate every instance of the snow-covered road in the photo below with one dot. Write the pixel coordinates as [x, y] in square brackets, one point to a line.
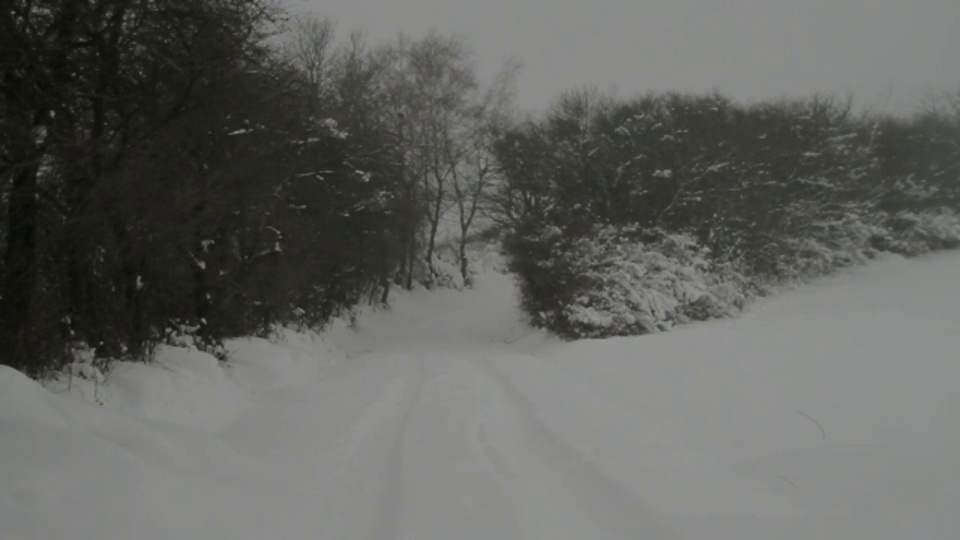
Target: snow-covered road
[427, 445]
[830, 411]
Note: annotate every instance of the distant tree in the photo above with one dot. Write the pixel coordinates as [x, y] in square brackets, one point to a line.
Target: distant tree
[445, 119]
[470, 156]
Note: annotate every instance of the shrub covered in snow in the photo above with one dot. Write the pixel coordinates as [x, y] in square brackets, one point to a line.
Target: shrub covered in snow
[635, 287]
[618, 281]
[911, 233]
[631, 217]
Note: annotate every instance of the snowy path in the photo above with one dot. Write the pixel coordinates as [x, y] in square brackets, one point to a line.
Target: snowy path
[830, 411]
[445, 447]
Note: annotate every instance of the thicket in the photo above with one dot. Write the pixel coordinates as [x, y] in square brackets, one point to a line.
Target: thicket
[629, 216]
[176, 170]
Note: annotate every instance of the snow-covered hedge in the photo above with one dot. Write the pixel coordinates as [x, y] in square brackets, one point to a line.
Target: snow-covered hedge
[619, 281]
[636, 287]
[855, 239]
[630, 216]
[912, 233]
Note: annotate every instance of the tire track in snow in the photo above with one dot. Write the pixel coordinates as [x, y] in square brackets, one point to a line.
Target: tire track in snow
[337, 435]
[391, 503]
[440, 489]
[604, 499]
[494, 456]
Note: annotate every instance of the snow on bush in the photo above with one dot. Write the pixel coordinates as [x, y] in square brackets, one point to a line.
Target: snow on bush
[916, 233]
[828, 245]
[855, 239]
[626, 285]
[616, 281]
[446, 269]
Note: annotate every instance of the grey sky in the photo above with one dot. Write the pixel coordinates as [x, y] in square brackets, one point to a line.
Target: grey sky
[888, 53]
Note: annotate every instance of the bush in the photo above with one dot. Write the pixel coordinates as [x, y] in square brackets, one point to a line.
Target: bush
[631, 217]
[614, 283]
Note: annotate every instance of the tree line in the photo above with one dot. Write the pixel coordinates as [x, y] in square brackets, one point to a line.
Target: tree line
[629, 216]
[196, 170]
[203, 169]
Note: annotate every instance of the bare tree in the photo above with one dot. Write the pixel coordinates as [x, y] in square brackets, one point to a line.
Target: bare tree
[471, 158]
[309, 47]
[434, 81]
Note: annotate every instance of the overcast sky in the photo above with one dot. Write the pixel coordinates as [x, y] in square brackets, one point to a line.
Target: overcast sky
[887, 53]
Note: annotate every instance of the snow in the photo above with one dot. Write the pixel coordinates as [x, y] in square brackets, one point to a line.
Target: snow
[826, 411]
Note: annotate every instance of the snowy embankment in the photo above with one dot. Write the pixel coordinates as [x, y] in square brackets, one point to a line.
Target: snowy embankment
[829, 411]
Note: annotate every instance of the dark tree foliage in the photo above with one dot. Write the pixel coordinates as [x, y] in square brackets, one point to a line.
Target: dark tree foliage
[628, 216]
[165, 171]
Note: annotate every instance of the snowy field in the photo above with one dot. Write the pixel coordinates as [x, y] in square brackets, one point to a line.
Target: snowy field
[831, 411]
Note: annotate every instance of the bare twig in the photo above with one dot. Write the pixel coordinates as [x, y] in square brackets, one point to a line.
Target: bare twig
[823, 432]
[787, 480]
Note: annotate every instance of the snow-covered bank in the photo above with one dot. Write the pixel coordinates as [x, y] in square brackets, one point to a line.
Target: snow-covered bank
[193, 389]
[135, 455]
[828, 411]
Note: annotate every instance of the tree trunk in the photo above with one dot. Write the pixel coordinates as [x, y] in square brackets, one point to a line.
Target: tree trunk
[411, 257]
[76, 283]
[20, 261]
[130, 282]
[432, 241]
[464, 269]
[201, 287]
